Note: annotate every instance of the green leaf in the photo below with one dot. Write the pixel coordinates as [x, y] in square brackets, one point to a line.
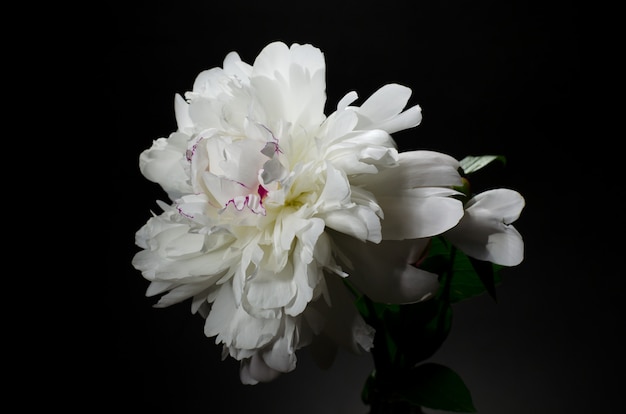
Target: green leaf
[470, 277]
[421, 328]
[406, 334]
[369, 385]
[438, 387]
[473, 163]
[381, 316]
[487, 275]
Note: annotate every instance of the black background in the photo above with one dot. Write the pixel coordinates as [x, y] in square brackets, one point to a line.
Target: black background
[492, 77]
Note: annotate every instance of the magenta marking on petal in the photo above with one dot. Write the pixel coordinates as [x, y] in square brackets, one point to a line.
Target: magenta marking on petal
[262, 192]
[276, 146]
[245, 203]
[182, 213]
[191, 152]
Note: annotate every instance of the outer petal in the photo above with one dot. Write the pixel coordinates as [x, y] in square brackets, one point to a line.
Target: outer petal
[181, 112]
[419, 213]
[385, 271]
[164, 163]
[343, 323]
[486, 233]
[415, 196]
[290, 83]
[383, 110]
[415, 169]
[281, 356]
[254, 370]
[234, 327]
[235, 67]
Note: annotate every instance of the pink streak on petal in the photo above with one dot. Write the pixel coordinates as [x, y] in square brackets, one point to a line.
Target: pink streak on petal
[262, 192]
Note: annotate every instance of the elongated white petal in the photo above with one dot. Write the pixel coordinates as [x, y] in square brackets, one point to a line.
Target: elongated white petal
[410, 118]
[181, 112]
[180, 293]
[418, 213]
[415, 169]
[385, 105]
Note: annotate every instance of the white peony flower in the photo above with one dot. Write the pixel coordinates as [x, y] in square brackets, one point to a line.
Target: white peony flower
[274, 204]
[486, 232]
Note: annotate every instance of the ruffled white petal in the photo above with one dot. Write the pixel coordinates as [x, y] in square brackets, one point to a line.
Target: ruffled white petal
[164, 163]
[291, 83]
[234, 327]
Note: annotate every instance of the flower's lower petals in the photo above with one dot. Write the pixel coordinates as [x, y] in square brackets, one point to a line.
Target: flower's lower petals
[343, 323]
[254, 370]
[386, 272]
[234, 327]
[281, 356]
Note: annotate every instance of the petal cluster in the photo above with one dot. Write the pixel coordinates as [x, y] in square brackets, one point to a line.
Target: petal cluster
[274, 205]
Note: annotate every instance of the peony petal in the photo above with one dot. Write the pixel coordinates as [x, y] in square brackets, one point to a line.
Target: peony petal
[348, 98]
[357, 221]
[254, 370]
[234, 327]
[164, 163]
[343, 322]
[386, 103]
[415, 169]
[235, 67]
[281, 356]
[208, 84]
[276, 59]
[290, 83]
[410, 118]
[418, 213]
[180, 294]
[270, 290]
[181, 112]
[486, 233]
[385, 271]
[502, 203]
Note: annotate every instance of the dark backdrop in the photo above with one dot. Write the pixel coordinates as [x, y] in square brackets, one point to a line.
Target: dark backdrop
[492, 77]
